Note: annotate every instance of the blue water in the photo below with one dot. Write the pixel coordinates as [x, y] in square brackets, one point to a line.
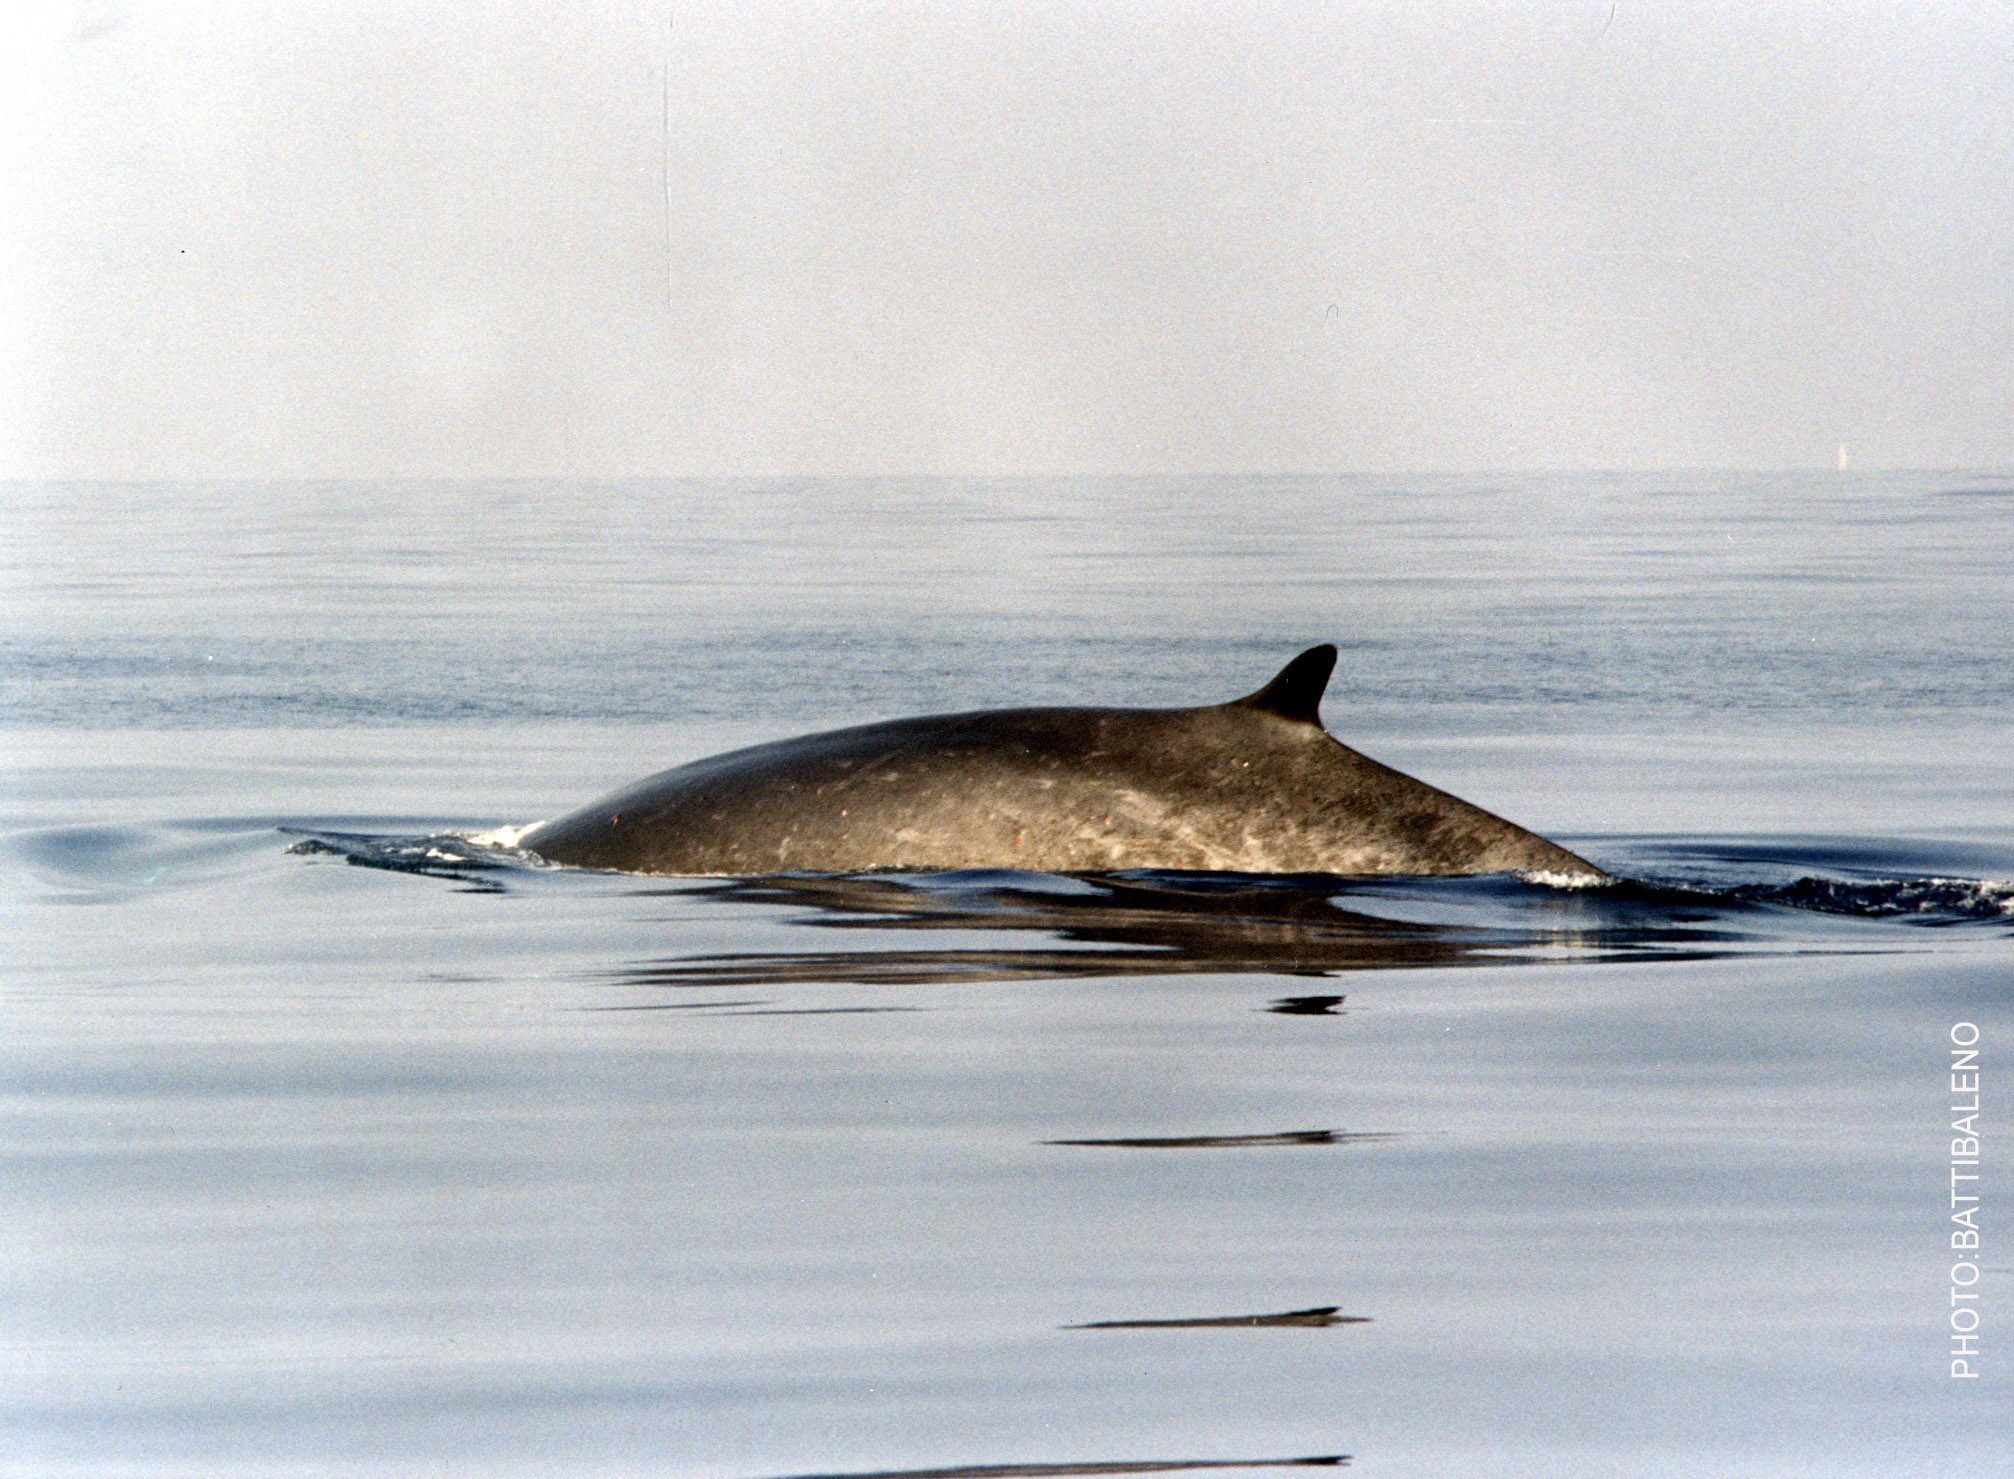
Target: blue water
[335, 1146]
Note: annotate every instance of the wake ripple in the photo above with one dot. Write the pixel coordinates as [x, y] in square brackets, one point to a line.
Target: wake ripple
[442, 855]
[488, 859]
[1918, 900]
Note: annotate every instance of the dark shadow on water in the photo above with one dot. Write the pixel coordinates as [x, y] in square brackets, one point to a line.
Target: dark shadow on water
[1035, 1471]
[1176, 924]
[1307, 1006]
[1705, 899]
[1320, 1318]
[1231, 1142]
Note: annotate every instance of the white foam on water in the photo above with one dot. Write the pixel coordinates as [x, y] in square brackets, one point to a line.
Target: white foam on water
[1546, 878]
[500, 836]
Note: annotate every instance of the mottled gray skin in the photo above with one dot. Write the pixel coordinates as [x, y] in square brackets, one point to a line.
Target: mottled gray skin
[1252, 786]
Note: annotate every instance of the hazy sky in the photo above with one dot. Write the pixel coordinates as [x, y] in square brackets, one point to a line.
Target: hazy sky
[343, 238]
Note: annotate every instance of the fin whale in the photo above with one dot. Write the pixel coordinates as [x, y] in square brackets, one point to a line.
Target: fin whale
[1256, 785]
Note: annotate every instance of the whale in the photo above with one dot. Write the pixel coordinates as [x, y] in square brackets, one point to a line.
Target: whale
[1254, 785]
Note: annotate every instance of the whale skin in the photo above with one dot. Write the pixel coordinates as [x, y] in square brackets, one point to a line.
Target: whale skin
[1255, 785]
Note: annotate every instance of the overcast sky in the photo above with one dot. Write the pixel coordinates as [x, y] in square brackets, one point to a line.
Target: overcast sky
[346, 238]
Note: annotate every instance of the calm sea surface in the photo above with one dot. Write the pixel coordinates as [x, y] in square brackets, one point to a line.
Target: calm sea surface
[332, 1146]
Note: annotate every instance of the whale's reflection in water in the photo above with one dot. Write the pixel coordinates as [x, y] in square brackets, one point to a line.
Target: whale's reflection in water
[1035, 1471]
[1171, 924]
[1319, 1318]
[1223, 1142]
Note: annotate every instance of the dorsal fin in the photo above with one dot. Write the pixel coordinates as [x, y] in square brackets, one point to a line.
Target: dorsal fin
[1296, 692]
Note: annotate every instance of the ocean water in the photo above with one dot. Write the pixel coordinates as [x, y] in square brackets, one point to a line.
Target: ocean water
[334, 1146]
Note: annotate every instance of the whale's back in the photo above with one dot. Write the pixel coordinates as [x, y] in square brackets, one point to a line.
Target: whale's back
[1251, 786]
